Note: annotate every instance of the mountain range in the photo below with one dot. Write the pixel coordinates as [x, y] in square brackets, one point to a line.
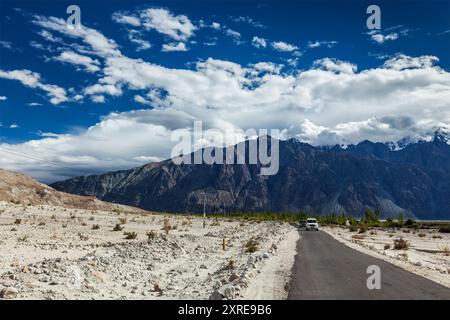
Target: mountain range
[412, 178]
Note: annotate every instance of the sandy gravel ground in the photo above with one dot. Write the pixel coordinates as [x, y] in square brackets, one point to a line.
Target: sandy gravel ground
[51, 252]
[428, 254]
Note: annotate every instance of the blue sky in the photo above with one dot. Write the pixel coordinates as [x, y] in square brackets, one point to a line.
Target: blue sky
[59, 91]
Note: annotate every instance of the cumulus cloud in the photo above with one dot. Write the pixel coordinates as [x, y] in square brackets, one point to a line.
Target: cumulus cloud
[3, 98]
[135, 37]
[98, 99]
[392, 33]
[171, 47]
[33, 80]
[331, 102]
[335, 65]
[178, 27]
[216, 25]
[401, 62]
[259, 42]
[88, 64]
[283, 46]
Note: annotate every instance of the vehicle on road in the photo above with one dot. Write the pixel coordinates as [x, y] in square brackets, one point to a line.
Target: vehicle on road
[312, 224]
[302, 224]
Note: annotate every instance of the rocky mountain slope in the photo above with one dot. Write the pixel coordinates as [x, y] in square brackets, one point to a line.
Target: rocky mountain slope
[414, 180]
[20, 189]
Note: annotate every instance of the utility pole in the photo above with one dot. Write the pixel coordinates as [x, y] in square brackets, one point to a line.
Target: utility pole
[204, 210]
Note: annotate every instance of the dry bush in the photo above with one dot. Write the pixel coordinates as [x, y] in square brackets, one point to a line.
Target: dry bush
[437, 237]
[387, 246]
[358, 237]
[123, 220]
[23, 238]
[83, 237]
[215, 223]
[151, 235]
[166, 225]
[130, 235]
[445, 250]
[422, 235]
[401, 244]
[118, 227]
[18, 221]
[251, 246]
[95, 227]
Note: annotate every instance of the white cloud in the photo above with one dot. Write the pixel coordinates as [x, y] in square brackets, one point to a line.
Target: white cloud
[250, 21]
[3, 98]
[335, 65]
[178, 27]
[126, 19]
[283, 46]
[317, 44]
[6, 45]
[259, 42]
[332, 102]
[216, 25]
[100, 45]
[98, 99]
[34, 104]
[141, 44]
[391, 35]
[233, 34]
[13, 126]
[141, 100]
[88, 64]
[171, 47]
[401, 62]
[33, 80]
[49, 36]
[112, 90]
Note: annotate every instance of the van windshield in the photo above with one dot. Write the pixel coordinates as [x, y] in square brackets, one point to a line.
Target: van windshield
[312, 220]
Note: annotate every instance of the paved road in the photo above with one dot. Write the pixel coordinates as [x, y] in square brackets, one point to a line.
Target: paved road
[327, 269]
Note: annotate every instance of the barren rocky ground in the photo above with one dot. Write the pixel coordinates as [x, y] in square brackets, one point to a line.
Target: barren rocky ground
[49, 252]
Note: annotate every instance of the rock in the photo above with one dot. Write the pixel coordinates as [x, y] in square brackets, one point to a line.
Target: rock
[229, 292]
[266, 255]
[216, 295]
[9, 293]
[233, 277]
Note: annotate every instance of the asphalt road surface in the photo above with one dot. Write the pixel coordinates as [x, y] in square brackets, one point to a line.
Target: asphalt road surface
[327, 269]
